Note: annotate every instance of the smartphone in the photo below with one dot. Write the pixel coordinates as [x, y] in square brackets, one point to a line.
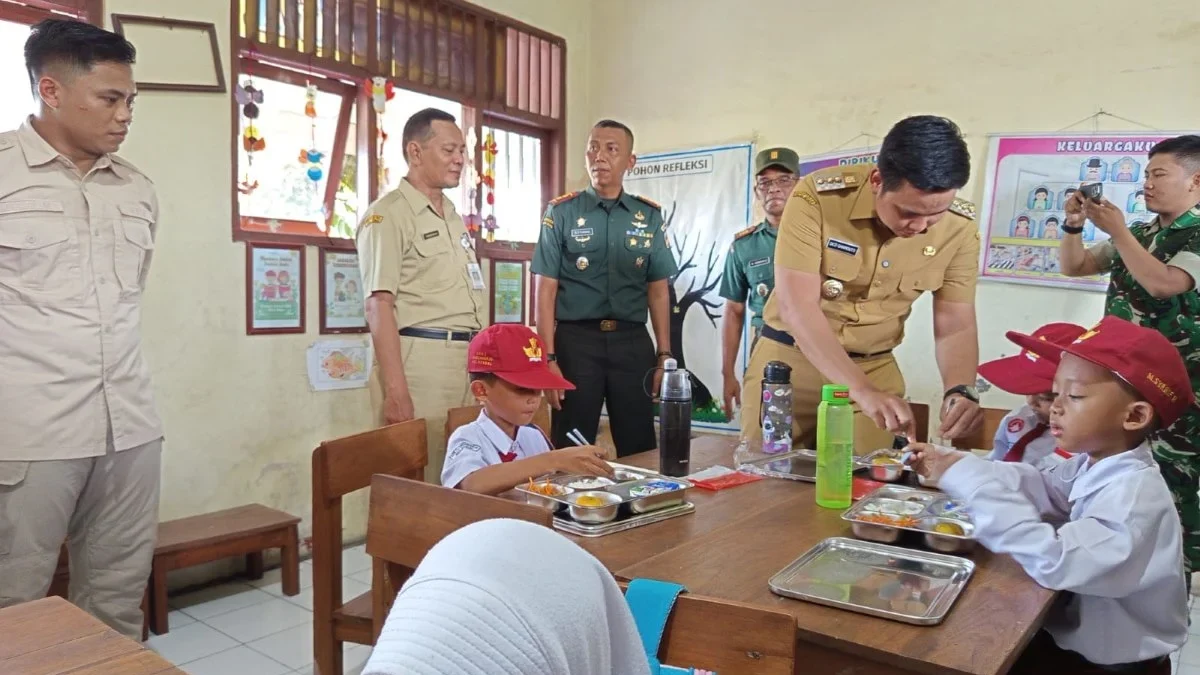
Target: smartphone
[1093, 191]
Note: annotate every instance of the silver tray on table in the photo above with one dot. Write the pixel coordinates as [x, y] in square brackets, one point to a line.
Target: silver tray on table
[565, 523]
[925, 511]
[915, 587]
[624, 485]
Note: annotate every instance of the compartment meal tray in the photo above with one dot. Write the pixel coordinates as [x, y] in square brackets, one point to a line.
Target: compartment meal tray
[914, 587]
[623, 489]
[929, 501]
[566, 524]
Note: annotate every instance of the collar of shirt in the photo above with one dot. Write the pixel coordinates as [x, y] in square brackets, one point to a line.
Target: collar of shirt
[496, 436]
[864, 203]
[39, 152]
[764, 226]
[1089, 478]
[625, 199]
[419, 201]
[1190, 218]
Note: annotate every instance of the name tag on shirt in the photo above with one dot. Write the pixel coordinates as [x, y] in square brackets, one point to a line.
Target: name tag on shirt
[842, 246]
[476, 275]
[760, 262]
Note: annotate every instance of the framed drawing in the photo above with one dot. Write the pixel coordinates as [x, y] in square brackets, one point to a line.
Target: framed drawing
[274, 289]
[341, 293]
[173, 54]
[509, 299]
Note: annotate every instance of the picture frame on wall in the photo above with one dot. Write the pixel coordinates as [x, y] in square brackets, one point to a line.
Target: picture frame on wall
[343, 308]
[275, 289]
[510, 299]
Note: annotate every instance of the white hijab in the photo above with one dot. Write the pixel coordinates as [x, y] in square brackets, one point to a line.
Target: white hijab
[507, 597]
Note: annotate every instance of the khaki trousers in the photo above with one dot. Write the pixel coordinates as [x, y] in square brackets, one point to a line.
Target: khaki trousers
[107, 507]
[437, 380]
[806, 396]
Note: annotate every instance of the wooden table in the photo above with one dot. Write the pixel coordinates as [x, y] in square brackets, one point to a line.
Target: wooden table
[53, 636]
[739, 537]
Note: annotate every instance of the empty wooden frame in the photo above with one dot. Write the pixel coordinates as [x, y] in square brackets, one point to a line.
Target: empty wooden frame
[173, 53]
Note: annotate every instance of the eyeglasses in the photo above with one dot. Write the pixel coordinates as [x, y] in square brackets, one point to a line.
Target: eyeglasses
[782, 182]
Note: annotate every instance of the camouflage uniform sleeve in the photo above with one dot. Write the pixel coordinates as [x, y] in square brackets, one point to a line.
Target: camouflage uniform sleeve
[662, 261]
[1103, 253]
[734, 284]
[547, 255]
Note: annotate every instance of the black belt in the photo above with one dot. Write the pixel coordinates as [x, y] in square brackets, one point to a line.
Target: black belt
[439, 334]
[605, 325]
[785, 338]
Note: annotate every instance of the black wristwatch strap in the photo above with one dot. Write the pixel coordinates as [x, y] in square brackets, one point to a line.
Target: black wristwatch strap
[551, 358]
[964, 391]
[1071, 230]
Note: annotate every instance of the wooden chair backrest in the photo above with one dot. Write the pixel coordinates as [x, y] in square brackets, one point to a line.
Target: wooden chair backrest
[982, 439]
[728, 637]
[921, 420]
[456, 417]
[406, 518]
[343, 466]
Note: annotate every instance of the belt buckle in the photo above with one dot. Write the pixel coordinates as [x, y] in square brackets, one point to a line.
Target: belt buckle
[607, 325]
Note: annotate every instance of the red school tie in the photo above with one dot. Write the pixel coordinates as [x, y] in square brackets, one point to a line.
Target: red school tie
[506, 457]
[1017, 452]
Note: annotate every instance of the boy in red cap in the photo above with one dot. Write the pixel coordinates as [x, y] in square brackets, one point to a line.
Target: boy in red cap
[1119, 551]
[501, 448]
[1024, 434]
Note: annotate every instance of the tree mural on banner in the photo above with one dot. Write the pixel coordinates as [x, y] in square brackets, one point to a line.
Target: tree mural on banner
[704, 406]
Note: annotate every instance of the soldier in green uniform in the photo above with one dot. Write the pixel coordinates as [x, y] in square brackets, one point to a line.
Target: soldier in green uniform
[602, 261]
[750, 263]
[1153, 272]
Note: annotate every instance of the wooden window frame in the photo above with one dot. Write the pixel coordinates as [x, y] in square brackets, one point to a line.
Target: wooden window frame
[503, 249]
[32, 11]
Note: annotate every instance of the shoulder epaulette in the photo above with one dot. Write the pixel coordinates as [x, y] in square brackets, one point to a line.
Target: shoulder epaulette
[745, 233]
[564, 198]
[831, 183]
[649, 201]
[963, 208]
[8, 140]
[117, 159]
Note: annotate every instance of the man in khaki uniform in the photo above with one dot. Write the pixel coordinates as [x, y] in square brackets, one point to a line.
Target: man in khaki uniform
[857, 246]
[80, 441]
[426, 294]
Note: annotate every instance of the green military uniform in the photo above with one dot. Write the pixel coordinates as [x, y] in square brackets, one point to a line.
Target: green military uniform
[604, 253]
[1178, 318]
[750, 270]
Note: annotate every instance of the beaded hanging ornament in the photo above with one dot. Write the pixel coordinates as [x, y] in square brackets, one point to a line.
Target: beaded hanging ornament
[489, 185]
[472, 219]
[249, 98]
[381, 91]
[311, 156]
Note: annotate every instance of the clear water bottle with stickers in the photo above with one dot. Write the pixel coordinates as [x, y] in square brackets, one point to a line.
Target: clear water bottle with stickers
[776, 417]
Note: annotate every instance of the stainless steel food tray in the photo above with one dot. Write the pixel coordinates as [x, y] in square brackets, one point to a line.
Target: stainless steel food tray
[929, 508]
[915, 587]
[636, 478]
[623, 522]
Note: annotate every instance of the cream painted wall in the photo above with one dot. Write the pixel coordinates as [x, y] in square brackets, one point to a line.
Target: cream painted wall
[241, 421]
[814, 75]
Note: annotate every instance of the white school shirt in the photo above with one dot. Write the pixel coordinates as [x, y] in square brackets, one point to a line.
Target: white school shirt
[1119, 550]
[1042, 452]
[480, 443]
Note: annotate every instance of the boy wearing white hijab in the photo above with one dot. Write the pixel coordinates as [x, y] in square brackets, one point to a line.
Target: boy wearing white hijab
[501, 448]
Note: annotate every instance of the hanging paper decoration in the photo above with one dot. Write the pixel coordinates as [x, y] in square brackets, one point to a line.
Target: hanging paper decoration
[472, 219]
[249, 98]
[311, 156]
[489, 184]
[381, 91]
[489, 225]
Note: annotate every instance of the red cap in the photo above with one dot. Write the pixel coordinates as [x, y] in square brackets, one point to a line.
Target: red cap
[1027, 373]
[515, 354]
[1143, 357]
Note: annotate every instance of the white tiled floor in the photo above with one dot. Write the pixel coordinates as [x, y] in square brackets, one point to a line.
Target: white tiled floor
[252, 628]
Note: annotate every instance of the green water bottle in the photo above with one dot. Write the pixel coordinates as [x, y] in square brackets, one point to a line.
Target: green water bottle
[835, 448]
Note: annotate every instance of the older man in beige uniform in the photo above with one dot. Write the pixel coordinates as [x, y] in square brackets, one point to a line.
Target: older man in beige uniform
[426, 293]
[80, 442]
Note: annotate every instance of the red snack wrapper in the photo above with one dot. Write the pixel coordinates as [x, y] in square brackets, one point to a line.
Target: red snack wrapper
[727, 481]
[863, 487]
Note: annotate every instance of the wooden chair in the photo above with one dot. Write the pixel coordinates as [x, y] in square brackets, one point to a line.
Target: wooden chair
[921, 420]
[406, 518]
[728, 637]
[456, 417]
[982, 439]
[340, 467]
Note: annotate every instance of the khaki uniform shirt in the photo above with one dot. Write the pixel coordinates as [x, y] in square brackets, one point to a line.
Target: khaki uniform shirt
[74, 253]
[405, 248]
[829, 229]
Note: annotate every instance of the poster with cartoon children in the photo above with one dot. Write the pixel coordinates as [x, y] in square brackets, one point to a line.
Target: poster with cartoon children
[1030, 179]
[276, 278]
[343, 310]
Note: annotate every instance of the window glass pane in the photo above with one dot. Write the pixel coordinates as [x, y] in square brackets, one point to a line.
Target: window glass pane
[17, 102]
[519, 200]
[345, 200]
[399, 109]
[285, 190]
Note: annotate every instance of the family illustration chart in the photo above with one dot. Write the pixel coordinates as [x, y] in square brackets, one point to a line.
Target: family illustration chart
[1029, 180]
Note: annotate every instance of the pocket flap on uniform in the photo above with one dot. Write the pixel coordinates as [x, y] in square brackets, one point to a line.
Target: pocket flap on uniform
[138, 234]
[430, 243]
[841, 267]
[925, 280]
[13, 473]
[136, 211]
[32, 236]
[31, 206]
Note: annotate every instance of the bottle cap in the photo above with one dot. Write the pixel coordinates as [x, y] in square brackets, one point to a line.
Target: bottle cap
[777, 372]
[676, 383]
[835, 394]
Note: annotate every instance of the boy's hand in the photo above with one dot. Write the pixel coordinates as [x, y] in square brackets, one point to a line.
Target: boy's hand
[931, 461]
[587, 460]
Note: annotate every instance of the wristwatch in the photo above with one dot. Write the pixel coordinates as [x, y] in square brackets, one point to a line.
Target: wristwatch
[1071, 230]
[966, 391]
[551, 358]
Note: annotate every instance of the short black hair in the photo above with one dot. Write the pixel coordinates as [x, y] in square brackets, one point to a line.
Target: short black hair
[419, 127]
[1041, 190]
[74, 44]
[927, 152]
[1052, 218]
[1185, 149]
[487, 378]
[613, 124]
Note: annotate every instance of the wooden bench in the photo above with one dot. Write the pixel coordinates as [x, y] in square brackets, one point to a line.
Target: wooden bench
[244, 530]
